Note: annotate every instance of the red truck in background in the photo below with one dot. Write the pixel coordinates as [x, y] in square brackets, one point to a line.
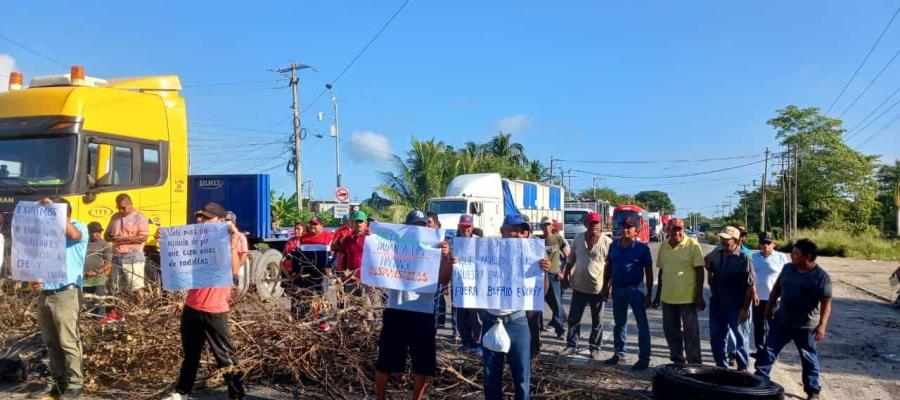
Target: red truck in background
[637, 214]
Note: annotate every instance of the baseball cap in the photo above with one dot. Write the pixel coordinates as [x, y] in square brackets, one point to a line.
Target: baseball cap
[545, 220]
[230, 216]
[346, 217]
[212, 210]
[730, 232]
[766, 237]
[517, 219]
[359, 216]
[676, 223]
[416, 217]
[94, 227]
[466, 220]
[629, 222]
[314, 220]
[592, 218]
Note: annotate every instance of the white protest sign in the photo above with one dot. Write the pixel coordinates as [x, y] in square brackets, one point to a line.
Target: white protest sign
[39, 243]
[498, 274]
[402, 257]
[196, 256]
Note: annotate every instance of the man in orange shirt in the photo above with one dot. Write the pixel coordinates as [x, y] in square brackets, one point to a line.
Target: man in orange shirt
[127, 231]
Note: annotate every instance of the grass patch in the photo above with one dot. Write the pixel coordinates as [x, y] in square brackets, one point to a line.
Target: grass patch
[834, 243]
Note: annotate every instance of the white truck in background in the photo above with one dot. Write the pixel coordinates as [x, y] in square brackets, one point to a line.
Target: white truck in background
[489, 197]
[577, 211]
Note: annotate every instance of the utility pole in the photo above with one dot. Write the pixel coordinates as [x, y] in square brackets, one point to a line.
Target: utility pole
[796, 177]
[745, 200]
[309, 191]
[551, 169]
[594, 187]
[762, 195]
[337, 137]
[569, 173]
[298, 165]
[784, 197]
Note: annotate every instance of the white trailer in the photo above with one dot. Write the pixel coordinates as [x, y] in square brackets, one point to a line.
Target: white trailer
[489, 197]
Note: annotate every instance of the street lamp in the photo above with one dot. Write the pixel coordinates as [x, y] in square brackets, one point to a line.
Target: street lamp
[336, 132]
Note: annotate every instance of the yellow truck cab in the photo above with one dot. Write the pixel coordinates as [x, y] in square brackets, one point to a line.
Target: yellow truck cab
[90, 139]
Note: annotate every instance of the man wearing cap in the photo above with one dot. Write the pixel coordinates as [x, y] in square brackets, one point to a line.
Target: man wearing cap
[468, 320]
[128, 230]
[408, 327]
[731, 346]
[517, 327]
[97, 267]
[292, 245]
[680, 292]
[311, 264]
[350, 247]
[556, 248]
[768, 264]
[345, 230]
[205, 318]
[731, 284]
[58, 311]
[629, 273]
[584, 272]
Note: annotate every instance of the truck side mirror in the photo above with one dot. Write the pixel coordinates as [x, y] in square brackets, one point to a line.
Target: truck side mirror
[100, 168]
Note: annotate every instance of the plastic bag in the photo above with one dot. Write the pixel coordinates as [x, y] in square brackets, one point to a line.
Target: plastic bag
[496, 339]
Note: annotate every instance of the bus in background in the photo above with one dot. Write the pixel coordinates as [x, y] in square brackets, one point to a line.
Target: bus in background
[637, 214]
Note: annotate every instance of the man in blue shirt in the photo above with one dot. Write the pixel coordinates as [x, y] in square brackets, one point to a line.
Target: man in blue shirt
[58, 310]
[629, 272]
[731, 284]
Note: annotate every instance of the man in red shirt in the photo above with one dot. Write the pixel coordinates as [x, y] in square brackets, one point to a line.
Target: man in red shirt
[205, 318]
[292, 244]
[350, 251]
[310, 265]
[344, 231]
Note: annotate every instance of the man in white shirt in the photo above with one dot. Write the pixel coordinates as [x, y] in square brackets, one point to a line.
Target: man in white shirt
[767, 263]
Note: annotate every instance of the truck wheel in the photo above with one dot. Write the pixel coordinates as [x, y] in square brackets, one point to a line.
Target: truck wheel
[711, 383]
[268, 273]
[245, 276]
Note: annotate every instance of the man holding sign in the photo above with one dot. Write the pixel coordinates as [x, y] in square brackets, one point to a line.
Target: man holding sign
[394, 258]
[205, 315]
[59, 304]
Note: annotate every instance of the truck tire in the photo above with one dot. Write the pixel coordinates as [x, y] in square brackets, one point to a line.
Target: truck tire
[672, 381]
[268, 273]
[245, 276]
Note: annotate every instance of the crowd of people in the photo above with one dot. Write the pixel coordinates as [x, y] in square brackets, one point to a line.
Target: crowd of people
[780, 298]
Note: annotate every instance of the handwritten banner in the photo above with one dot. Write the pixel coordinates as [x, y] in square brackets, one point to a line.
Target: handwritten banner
[196, 256]
[402, 257]
[39, 243]
[498, 274]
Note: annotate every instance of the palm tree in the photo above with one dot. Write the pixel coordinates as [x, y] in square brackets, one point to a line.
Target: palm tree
[502, 146]
[425, 173]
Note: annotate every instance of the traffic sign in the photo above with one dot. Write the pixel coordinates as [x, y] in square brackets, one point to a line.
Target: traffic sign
[342, 194]
[341, 209]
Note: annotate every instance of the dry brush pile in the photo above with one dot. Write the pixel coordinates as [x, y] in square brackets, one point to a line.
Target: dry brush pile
[140, 357]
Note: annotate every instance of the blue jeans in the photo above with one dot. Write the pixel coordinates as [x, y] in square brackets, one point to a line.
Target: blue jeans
[554, 300]
[519, 358]
[721, 322]
[632, 296]
[576, 310]
[746, 328]
[805, 340]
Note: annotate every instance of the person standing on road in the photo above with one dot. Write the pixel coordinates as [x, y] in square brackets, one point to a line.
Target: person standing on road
[292, 245]
[58, 312]
[680, 293]
[345, 230]
[803, 294]
[629, 273]
[584, 272]
[731, 284]
[408, 327]
[204, 318]
[432, 221]
[517, 327]
[310, 265]
[97, 267]
[128, 230]
[557, 248]
[768, 264]
[468, 320]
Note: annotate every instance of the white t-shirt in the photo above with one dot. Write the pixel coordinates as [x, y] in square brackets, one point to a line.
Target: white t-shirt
[767, 271]
[2, 249]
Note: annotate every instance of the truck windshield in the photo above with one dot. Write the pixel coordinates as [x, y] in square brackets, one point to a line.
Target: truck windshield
[448, 207]
[574, 217]
[37, 161]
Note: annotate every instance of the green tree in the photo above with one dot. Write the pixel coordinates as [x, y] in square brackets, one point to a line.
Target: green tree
[656, 201]
[837, 183]
[424, 174]
[503, 147]
[888, 219]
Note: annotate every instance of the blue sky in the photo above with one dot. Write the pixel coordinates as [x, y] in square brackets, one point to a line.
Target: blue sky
[576, 80]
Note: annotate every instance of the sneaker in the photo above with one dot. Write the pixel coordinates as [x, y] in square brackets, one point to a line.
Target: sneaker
[560, 335]
[568, 351]
[48, 391]
[177, 396]
[640, 366]
[324, 326]
[614, 360]
[595, 355]
[71, 394]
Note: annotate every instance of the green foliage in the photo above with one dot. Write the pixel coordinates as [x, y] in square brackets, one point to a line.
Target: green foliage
[845, 244]
[888, 198]
[287, 215]
[610, 195]
[656, 201]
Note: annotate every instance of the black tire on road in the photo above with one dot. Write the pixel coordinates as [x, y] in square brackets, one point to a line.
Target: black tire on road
[686, 382]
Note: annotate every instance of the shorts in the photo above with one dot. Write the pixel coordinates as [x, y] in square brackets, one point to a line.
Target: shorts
[405, 332]
[128, 273]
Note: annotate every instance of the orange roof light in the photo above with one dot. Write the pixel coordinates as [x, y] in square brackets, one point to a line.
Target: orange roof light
[15, 81]
[77, 75]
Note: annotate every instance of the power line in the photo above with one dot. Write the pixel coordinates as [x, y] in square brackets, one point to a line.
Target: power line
[33, 51]
[878, 132]
[866, 89]
[866, 58]
[663, 161]
[871, 113]
[867, 125]
[671, 176]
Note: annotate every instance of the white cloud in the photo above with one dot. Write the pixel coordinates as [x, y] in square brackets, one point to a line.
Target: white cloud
[515, 124]
[369, 147]
[7, 65]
